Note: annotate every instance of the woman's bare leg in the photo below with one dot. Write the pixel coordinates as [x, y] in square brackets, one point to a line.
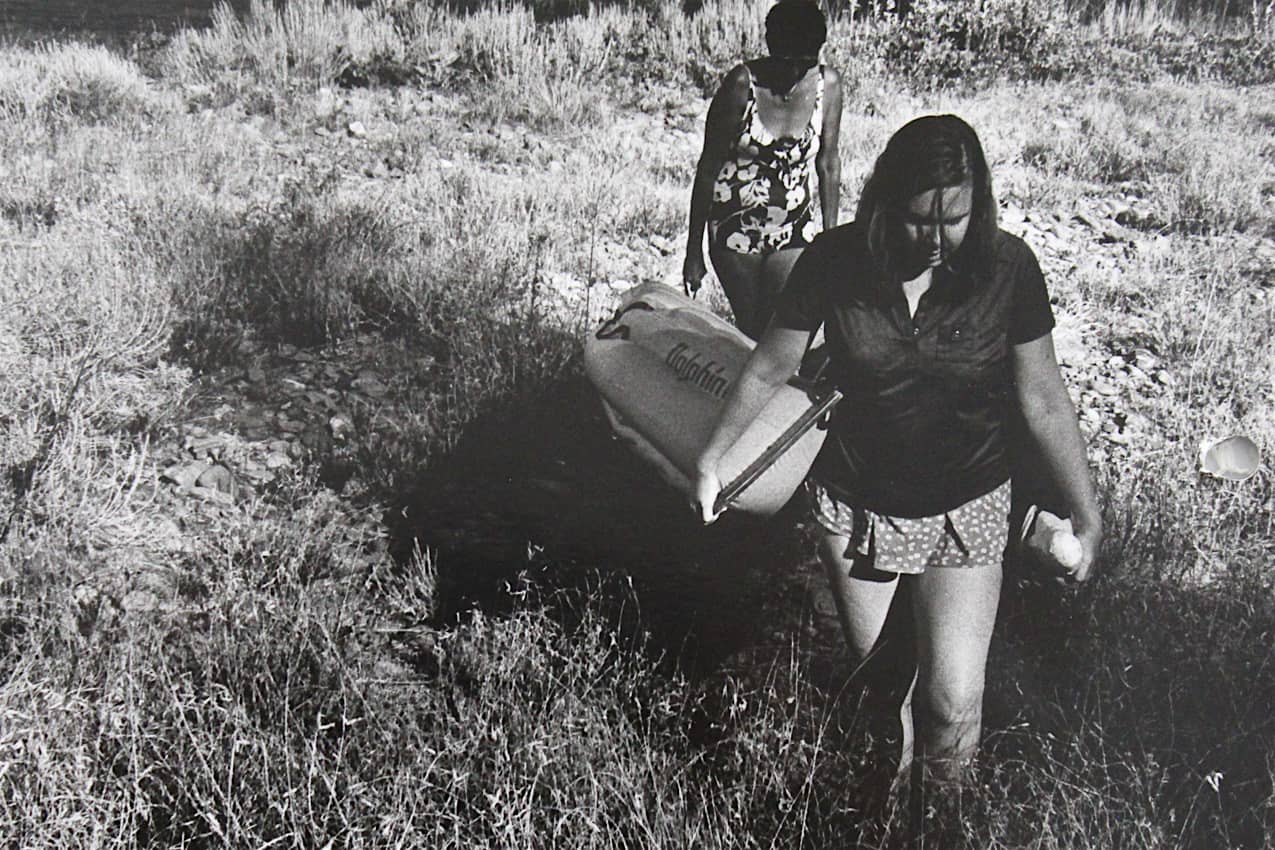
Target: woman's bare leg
[774, 276]
[955, 610]
[741, 278]
[863, 597]
[752, 282]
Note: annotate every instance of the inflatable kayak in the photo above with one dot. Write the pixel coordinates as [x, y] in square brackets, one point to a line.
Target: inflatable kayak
[664, 365]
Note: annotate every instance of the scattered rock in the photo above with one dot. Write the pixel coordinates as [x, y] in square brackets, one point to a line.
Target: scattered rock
[209, 447]
[184, 475]
[1105, 387]
[369, 384]
[340, 427]
[278, 460]
[209, 494]
[217, 478]
[356, 130]
[662, 244]
[1145, 360]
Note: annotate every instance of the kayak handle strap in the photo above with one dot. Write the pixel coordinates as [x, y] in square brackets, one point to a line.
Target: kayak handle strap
[782, 443]
[613, 329]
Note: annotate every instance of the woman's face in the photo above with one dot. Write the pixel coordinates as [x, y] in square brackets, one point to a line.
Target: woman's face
[934, 223]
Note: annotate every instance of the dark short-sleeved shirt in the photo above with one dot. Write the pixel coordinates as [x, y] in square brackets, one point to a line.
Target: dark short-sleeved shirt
[922, 427]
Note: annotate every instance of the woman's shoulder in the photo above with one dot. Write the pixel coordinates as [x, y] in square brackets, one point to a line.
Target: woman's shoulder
[741, 74]
[1011, 249]
[852, 232]
[736, 82]
[840, 243]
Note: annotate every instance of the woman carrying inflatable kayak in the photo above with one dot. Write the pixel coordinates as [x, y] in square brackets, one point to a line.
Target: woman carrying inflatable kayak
[937, 324]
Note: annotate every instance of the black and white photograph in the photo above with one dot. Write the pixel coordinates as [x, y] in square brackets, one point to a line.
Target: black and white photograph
[635, 424]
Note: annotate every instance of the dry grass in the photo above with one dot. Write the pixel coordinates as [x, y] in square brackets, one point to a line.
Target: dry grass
[73, 82]
[293, 685]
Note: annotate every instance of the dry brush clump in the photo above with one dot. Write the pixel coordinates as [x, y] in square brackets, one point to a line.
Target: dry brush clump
[86, 324]
[275, 50]
[74, 82]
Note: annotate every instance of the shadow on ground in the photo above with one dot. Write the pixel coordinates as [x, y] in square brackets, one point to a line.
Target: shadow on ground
[540, 487]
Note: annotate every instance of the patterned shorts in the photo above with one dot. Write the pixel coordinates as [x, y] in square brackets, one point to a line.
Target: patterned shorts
[972, 535]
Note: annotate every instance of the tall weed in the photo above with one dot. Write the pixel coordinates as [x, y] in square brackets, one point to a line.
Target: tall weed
[85, 324]
[299, 45]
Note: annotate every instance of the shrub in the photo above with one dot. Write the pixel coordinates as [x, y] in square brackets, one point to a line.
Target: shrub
[943, 40]
[301, 44]
[73, 81]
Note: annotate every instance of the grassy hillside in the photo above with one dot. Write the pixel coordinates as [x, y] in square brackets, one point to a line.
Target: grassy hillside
[311, 533]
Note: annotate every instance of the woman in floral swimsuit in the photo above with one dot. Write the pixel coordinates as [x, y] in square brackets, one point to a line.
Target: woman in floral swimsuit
[772, 126]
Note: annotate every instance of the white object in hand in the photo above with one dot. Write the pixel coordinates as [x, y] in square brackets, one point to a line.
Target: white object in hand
[1066, 549]
[1052, 538]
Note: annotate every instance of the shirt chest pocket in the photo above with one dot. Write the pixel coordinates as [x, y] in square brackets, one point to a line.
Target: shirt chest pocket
[969, 348]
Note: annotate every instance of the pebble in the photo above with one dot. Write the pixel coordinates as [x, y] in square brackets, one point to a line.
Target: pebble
[210, 446]
[662, 244]
[184, 475]
[278, 460]
[357, 130]
[369, 385]
[215, 496]
[218, 478]
[1145, 360]
[340, 427]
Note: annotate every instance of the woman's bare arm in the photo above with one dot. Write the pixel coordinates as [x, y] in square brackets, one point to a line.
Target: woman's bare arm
[772, 363]
[724, 114]
[1051, 419]
[828, 161]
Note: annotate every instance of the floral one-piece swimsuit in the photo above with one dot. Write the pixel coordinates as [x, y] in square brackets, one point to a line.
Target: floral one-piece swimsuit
[762, 200]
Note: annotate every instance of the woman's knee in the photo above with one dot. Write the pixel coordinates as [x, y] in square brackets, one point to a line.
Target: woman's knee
[951, 700]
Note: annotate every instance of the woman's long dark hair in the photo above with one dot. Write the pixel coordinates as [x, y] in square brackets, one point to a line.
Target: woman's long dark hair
[930, 152]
